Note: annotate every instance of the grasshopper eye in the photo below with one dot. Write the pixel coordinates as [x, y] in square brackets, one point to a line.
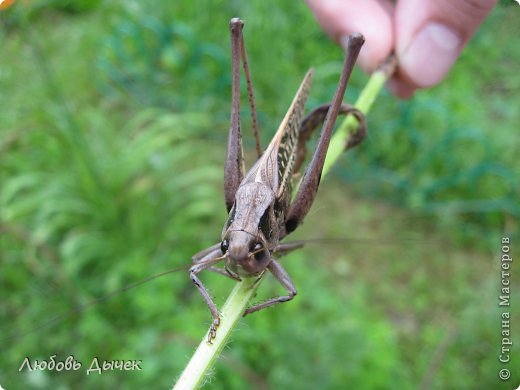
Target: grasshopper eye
[258, 251]
[224, 245]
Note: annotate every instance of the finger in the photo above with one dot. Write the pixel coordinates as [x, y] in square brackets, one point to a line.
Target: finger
[372, 18]
[430, 36]
[400, 88]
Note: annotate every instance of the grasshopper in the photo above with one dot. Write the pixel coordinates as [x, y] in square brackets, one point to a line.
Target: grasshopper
[260, 205]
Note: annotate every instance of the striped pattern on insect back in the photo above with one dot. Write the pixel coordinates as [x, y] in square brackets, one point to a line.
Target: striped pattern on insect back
[287, 141]
[283, 147]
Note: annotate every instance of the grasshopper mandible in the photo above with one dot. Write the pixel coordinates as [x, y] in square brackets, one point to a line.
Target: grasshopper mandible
[259, 202]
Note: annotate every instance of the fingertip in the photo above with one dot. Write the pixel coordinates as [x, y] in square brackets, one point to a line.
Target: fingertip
[430, 55]
[431, 34]
[339, 18]
[378, 39]
[400, 88]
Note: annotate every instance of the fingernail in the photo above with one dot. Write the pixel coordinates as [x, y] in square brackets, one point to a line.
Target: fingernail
[430, 54]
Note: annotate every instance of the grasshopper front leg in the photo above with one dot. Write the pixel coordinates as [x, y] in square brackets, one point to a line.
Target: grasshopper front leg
[213, 253]
[205, 260]
[281, 275]
[285, 280]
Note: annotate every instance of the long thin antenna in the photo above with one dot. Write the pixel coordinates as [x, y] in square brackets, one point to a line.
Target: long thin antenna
[96, 301]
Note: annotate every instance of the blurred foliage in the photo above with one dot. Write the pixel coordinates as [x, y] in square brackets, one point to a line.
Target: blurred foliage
[151, 60]
[112, 140]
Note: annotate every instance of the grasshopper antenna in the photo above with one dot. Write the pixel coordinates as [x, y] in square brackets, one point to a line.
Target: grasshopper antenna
[96, 301]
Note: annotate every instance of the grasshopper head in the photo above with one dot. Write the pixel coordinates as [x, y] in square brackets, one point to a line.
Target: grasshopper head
[246, 254]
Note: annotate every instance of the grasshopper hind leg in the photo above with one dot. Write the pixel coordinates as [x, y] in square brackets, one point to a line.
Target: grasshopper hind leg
[234, 169]
[311, 179]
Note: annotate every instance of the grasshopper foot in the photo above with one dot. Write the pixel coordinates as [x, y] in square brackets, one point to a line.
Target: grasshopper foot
[213, 330]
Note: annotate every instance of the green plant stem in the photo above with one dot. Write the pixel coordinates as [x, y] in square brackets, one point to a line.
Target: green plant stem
[206, 354]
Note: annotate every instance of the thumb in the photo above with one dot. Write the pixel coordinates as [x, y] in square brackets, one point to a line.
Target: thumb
[430, 35]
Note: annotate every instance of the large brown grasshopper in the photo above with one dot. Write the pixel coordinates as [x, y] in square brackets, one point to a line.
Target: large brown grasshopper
[260, 205]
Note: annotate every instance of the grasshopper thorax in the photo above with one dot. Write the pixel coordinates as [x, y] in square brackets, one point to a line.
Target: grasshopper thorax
[247, 232]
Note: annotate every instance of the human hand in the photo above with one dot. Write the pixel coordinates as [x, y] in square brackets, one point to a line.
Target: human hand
[426, 35]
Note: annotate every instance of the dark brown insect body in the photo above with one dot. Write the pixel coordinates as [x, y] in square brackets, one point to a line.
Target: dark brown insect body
[260, 205]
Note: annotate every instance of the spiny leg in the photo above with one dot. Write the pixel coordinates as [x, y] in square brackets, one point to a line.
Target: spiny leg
[194, 270]
[316, 118]
[311, 180]
[206, 259]
[283, 277]
[234, 169]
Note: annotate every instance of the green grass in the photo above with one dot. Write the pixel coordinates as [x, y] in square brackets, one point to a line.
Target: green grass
[112, 141]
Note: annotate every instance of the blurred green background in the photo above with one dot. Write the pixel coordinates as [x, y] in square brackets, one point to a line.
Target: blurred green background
[113, 126]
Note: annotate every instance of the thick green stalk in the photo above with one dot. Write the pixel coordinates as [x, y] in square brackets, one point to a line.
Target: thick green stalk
[202, 360]
[195, 372]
